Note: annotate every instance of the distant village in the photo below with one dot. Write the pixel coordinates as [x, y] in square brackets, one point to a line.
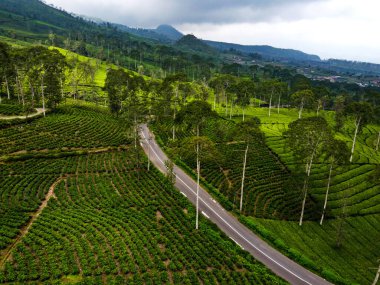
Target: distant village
[313, 74]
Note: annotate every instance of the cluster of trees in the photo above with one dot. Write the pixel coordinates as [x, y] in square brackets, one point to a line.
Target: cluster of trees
[38, 76]
[32, 76]
[102, 41]
[312, 139]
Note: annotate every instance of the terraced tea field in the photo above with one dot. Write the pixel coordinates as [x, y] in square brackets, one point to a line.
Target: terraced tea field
[351, 185]
[355, 261]
[12, 109]
[109, 221]
[75, 125]
[270, 191]
[102, 218]
[352, 193]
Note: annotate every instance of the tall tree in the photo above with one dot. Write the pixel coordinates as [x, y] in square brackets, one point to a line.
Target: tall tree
[336, 153]
[222, 85]
[248, 131]
[361, 113]
[377, 275]
[194, 115]
[321, 94]
[116, 87]
[205, 150]
[81, 73]
[308, 139]
[47, 67]
[303, 99]
[6, 67]
[245, 91]
[339, 106]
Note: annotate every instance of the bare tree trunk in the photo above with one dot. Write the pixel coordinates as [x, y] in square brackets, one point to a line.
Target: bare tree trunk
[310, 164]
[357, 124]
[135, 131]
[279, 102]
[7, 85]
[148, 139]
[61, 82]
[378, 142]
[301, 109]
[18, 88]
[270, 103]
[304, 200]
[243, 114]
[305, 186]
[43, 95]
[174, 114]
[226, 97]
[32, 91]
[174, 130]
[327, 194]
[376, 277]
[231, 109]
[21, 88]
[243, 178]
[214, 101]
[174, 124]
[198, 174]
[318, 107]
[22, 95]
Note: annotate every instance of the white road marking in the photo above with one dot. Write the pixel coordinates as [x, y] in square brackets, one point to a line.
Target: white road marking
[204, 214]
[237, 243]
[231, 227]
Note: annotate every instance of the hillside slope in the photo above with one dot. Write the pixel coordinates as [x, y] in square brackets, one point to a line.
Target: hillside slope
[99, 216]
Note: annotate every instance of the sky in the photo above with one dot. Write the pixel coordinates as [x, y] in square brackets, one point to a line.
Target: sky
[342, 29]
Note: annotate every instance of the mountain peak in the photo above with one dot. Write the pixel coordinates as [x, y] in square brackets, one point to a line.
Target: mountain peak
[169, 31]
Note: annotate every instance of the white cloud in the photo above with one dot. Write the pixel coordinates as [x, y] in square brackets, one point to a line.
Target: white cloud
[335, 29]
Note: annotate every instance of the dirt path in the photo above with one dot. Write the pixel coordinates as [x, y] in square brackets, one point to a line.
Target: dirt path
[39, 111]
[6, 254]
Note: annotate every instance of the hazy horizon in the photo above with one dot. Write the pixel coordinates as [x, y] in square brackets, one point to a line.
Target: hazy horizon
[341, 29]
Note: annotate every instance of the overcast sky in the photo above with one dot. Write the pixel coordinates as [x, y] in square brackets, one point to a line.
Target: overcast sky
[344, 29]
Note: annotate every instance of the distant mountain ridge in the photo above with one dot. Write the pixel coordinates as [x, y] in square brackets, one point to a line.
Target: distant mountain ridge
[163, 33]
[168, 34]
[265, 51]
[34, 20]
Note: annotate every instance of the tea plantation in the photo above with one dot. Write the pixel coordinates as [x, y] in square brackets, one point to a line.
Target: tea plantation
[353, 205]
[107, 220]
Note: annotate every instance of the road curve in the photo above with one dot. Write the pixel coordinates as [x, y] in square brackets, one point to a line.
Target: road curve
[240, 234]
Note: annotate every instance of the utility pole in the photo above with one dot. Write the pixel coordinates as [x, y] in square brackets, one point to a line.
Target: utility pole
[243, 178]
[198, 174]
[148, 144]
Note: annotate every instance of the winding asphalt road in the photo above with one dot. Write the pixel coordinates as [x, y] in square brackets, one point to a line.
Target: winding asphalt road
[241, 235]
